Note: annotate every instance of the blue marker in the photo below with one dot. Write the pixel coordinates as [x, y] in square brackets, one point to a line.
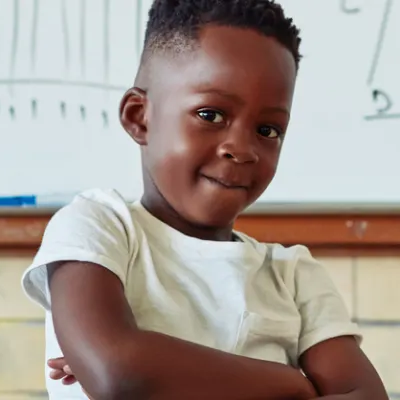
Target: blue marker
[17, 201]
[52, 201]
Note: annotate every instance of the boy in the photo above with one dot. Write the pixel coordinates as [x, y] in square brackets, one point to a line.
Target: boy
[161, 299]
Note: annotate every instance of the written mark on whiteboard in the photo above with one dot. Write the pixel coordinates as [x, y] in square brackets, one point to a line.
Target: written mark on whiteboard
[380, 97]
[65, 22]
[349, 8]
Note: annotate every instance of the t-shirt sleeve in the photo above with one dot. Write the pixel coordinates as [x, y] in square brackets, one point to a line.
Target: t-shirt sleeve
[96, 227]
[323, 312]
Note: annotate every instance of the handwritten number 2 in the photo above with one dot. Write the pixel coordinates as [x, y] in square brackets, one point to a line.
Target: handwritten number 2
[380, 96]
[348, 9]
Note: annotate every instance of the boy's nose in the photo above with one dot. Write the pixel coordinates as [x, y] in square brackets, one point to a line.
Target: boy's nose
[238, 150]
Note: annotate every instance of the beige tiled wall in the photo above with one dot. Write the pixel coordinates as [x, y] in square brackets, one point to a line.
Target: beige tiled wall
[21, 337]
[368, 285]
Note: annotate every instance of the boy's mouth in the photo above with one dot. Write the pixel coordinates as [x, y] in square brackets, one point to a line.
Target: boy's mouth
[226, 183]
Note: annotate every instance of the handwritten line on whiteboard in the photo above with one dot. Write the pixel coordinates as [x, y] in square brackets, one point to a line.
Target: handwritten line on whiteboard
[106, 40]
[138, 27]
[82, 44]
[56, 82]
[64, 25]
[15, 36]
[349, 9]
[382, 116]
[381, 40]
[34, 29]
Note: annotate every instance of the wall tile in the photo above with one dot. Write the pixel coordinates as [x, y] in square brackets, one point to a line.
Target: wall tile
[382, 346]
[13, 302]
[22, 353]
[377, 288]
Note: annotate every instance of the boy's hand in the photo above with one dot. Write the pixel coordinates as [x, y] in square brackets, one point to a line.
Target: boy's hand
[60, 370]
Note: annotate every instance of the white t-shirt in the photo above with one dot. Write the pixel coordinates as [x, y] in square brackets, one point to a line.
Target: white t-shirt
[249, 298]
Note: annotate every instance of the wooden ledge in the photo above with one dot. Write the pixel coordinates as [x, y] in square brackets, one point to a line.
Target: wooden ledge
[324, 234]
[328, 235]
[324, 230]
[22, 231]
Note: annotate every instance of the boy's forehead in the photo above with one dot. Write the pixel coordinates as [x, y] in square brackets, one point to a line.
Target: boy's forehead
[245, 50]
[230, 59]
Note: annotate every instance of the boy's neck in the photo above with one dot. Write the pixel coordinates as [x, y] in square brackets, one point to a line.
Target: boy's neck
[161, 210]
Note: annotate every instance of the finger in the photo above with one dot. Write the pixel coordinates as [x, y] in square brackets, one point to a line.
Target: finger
[57, 374]
[57, 363]
[69, 380]
[67, 369]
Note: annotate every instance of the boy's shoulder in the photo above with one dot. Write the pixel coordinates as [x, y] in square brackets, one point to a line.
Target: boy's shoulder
[99, 198]
[96, 205]
[279, 255]
[94, 227]
[290, 264]
[93, 215]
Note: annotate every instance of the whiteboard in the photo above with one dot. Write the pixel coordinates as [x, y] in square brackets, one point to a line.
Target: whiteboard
[64, 65]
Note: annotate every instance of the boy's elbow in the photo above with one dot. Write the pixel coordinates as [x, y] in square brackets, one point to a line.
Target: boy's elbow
[120, 388]
[375, 393]
[122, 378]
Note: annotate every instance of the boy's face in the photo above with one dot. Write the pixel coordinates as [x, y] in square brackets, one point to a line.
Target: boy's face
[212, 124]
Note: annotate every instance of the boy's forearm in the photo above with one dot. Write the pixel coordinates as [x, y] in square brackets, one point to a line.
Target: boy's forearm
[170, 368]
[359, 394]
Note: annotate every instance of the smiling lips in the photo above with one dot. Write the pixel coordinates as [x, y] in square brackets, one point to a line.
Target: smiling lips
[227, 183]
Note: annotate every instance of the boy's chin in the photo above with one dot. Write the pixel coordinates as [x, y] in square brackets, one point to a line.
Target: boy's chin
[215, 214]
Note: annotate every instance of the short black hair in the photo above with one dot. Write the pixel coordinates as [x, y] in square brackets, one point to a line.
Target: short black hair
[174, 24]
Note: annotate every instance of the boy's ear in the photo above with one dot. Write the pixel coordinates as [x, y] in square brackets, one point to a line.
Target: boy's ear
[132, 114]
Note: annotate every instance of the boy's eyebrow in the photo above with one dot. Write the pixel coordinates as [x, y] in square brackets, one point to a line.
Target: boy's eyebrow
[239, 100]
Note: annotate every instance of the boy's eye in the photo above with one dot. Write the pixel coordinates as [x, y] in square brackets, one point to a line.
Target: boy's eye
[212, 116]
[268, 131]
